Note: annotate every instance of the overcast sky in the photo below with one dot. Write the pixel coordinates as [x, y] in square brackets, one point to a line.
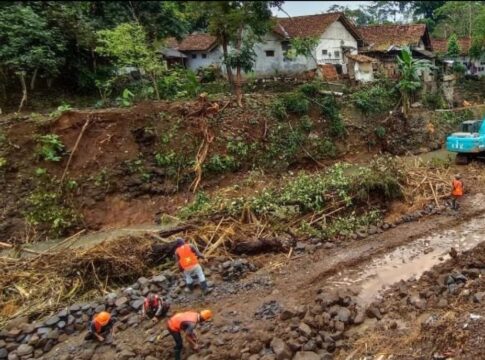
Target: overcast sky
[296, 8]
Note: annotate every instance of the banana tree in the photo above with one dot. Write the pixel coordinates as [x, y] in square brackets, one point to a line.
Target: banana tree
[410, 71]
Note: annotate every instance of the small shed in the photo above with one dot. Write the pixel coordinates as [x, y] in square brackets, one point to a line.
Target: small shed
[361, 67]
[173, 57]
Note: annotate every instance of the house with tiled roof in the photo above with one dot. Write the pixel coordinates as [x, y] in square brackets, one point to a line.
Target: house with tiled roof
[198, 49]
[384, 42]
[336, 36]
[473, 66]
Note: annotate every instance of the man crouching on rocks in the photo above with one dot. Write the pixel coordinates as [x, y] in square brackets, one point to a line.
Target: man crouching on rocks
[101, 328]
[187, 257]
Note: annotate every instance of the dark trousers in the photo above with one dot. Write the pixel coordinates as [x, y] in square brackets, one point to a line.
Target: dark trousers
[165, 307]
[179, 345]
[455, 205]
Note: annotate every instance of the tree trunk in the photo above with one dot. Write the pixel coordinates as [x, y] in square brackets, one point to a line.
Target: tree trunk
[32, 81]
[49, 83]
[3, 86]
[230, 76]
[24, 91]
[155, 86]
[237, 85]
[405, 105]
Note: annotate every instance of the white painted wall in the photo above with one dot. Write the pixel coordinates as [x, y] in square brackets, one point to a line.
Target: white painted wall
[332, 40]
[212, 57]
[363, 72]
[277, 64]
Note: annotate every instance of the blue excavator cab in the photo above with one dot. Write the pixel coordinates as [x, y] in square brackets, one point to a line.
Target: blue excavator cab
[469, 143]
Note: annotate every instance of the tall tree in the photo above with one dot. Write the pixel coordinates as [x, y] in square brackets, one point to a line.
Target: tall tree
[359, 16]
[458, 17]
[127, 44]
[238, 24]
[28, 46]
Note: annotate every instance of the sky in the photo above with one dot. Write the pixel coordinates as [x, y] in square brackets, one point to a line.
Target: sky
[297, 8]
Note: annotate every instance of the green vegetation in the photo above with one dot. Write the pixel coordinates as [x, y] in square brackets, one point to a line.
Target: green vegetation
[48, 211]
[220, 164]
[61, 109]
[307, 193]
[434, 100]
[410, 80]
[50, 147]
[376, 98]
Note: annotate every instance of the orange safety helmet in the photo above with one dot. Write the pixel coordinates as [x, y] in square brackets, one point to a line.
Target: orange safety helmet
[103, 318]
[206, 315]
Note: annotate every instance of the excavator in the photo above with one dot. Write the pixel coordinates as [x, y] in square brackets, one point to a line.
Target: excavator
[469, 142]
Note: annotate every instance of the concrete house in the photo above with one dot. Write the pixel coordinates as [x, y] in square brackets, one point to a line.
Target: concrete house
[336, 36]
[200, 50]
[384, 42]
[473, 66]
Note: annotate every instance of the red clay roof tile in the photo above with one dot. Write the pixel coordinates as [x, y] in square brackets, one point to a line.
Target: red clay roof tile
[381, 37]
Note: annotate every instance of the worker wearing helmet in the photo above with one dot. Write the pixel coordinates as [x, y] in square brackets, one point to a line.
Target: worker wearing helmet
[154, 307]
[456, 192]
[186, 321]
[187, 256]
[101, 326]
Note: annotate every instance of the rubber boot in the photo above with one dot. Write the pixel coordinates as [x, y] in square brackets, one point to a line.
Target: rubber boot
[178, 355]
[190, 287]
[205, 288]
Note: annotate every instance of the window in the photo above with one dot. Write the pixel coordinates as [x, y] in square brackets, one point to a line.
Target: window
[285, 46]
[269, 53]
[336, 53]
[324, 52]
[204, 56]
[194, 56]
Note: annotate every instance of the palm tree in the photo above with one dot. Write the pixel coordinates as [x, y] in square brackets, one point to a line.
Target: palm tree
[410, 70]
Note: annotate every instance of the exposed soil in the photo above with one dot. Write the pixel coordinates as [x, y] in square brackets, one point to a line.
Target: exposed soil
[237, 333]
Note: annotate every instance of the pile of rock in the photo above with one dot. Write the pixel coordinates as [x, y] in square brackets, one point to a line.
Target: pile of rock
[316, 331]
[24, 341]
[268, 310]
[235, 269]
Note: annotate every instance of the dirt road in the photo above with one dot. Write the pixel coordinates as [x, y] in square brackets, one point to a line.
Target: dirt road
[284, 284]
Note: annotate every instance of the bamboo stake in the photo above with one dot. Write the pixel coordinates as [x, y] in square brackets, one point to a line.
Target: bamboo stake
[75, 148]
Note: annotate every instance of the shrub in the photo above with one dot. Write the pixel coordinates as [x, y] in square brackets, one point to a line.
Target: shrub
[198, 206]
[219, 164]
[50, 147]
[311, 89]
[47, 209]
[178, 83]
[326, 148]
[278, 109]
[433, 101]
[374, 99]
[330, 109]
[296, 103]
[60, 110]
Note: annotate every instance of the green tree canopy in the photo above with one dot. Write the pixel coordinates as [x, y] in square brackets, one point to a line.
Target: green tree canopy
[453, 47]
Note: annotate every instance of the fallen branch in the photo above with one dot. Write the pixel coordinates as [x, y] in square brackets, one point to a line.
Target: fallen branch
[75, 148]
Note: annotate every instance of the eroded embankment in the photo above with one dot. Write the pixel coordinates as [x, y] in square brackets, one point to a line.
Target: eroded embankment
[281, 301]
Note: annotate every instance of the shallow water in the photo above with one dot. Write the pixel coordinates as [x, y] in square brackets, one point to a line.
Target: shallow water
[410, 260]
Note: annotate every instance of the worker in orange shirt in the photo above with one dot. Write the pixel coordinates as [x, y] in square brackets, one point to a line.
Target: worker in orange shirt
[456, 192]
[187, 257]
[186, 322]
[101, 327]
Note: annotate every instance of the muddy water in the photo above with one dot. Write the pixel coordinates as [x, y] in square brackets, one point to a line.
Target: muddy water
[409, 261]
